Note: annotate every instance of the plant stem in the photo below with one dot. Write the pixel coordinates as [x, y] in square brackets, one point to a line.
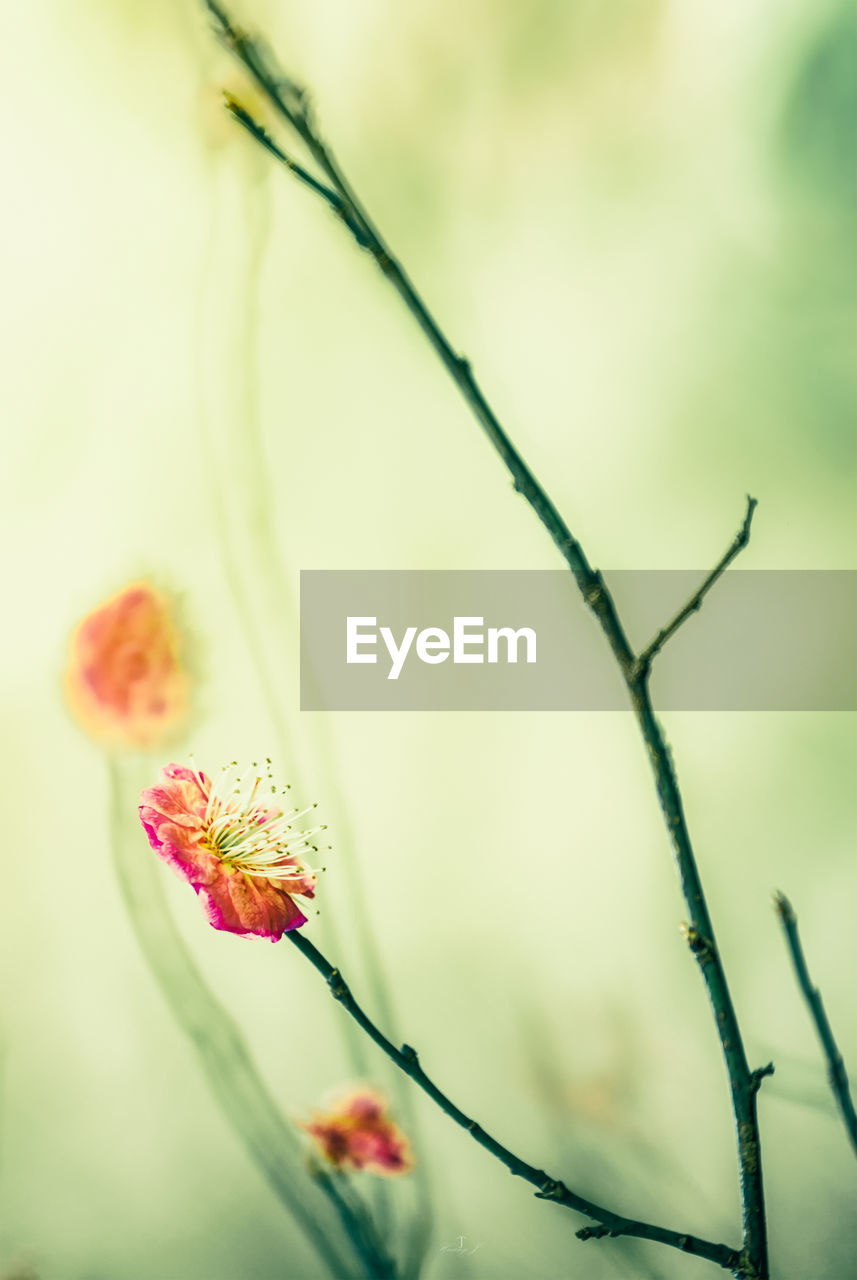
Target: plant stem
[359, 1226]
[290, 102]
[694, 604]
[835, 1065]
[547, 1188]
[743, 1083]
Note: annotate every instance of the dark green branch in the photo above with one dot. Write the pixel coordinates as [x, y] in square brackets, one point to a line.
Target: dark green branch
[256, 130]
[291, 103]
[835, 1065]
[243, 117]
[694, 604]
[743, 1083]
[547, 1188]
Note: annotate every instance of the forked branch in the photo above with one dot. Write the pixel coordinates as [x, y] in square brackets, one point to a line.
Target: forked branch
[547, 1188]
[291, 104]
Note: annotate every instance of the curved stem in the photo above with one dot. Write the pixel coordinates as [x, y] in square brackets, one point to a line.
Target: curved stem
[357, 1222]
[547, 1188]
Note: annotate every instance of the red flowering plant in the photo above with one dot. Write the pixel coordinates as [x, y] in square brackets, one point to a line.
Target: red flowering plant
[241, 854]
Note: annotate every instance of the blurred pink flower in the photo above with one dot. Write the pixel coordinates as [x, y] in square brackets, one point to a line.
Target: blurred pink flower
[357, 1133]
[241, 857]
[125, 683]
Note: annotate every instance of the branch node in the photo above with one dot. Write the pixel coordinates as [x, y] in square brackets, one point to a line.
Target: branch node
[384, 261]
[700, 945]
[744, 1266]
[639, 670]
[338, 986]
[594, 593]
[552, 1189]
[757, 1076]
[615, 1228]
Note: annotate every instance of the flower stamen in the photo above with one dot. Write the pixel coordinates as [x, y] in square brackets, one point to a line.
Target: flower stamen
[250, 837]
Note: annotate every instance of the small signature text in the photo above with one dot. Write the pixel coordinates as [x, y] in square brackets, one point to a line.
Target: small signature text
[460, 1246]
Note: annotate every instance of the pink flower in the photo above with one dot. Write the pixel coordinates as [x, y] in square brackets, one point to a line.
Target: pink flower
[125, 683]
[241, 857]
[357, 1133]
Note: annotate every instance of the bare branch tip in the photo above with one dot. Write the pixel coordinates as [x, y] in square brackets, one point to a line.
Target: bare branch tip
[240, 113]
[784, 908]
[220, 16]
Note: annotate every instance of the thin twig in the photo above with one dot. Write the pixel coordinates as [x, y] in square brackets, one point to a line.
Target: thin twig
[291, 103]
[547, 1188]
[835, 1065]
[243, 117]
[694, 604]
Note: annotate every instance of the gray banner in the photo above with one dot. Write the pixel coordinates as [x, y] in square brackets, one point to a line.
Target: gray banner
[524, 641]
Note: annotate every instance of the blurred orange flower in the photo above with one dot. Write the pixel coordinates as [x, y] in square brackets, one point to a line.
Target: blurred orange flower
[357, 1133]
[125, 683]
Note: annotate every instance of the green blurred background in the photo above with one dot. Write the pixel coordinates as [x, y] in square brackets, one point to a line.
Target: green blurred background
[637, 220]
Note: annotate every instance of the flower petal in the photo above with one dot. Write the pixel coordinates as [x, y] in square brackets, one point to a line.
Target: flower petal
[249, 906]
[172, 815]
